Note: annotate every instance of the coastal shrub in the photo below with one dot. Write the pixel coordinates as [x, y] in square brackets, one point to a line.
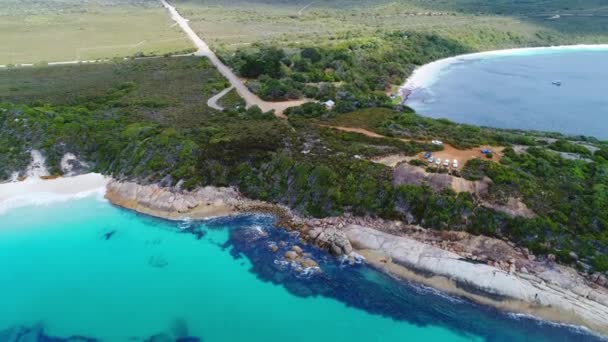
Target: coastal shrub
[563, 145]
[125, 127]
[475, 169]
[600, 263]
[261, 60]
[417, 162]
[308, 110]
[363, 65]
[602, 153]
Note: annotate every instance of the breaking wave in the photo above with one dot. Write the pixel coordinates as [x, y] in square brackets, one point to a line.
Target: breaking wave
[47, 198]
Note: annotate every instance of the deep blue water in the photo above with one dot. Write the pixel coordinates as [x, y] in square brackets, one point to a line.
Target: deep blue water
[517, 92]
[86, 269]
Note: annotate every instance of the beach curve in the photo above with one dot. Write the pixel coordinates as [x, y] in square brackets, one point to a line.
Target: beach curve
[426, 75]
[37, 191]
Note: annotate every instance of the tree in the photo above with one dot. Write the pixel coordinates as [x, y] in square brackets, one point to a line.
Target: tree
[311, 53]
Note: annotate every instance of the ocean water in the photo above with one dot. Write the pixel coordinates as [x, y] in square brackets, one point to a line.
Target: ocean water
[86, 269]
[516, 91]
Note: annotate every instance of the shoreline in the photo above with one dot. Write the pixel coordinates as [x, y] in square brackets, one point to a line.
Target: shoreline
[553, 293]
[547, 291]
[426, 75]
[37, 191]
[513, 291]
[450, 287]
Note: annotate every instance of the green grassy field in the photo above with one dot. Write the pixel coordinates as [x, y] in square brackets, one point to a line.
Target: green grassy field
[478, 24]
[66, 30]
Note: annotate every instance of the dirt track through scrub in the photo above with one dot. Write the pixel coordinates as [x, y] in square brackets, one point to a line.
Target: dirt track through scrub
[203, 50]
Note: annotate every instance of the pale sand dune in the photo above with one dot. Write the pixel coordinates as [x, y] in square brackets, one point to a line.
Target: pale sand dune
[39, 191]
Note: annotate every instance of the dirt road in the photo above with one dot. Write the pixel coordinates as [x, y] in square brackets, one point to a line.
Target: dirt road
[212, 102]
[203, 50]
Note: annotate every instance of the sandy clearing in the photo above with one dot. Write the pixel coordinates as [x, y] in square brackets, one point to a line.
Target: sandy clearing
[449, 152]
[392, 160]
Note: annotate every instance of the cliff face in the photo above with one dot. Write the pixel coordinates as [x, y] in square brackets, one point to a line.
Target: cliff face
[552, 292]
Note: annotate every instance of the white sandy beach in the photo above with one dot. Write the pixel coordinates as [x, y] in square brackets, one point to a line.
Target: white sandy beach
[425, 75]
[39, 191]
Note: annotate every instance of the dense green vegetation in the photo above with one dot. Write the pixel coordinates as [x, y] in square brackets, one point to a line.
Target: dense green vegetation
[568, 195]
[354, 73]
[137, 118]
[147, 120]
[353, 51]
[570, 198]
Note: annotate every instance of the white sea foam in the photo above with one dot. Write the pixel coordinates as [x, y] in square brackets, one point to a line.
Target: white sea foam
[352, 259]
[259, 229]
[359, 259]
[422, 289]
[185, 223]
[45, 198]
[541, 321]
[35, 191]
[426, 75]
[306, 272]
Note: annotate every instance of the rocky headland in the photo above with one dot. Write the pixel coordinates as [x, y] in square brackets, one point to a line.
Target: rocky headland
[209, 202]
[486, 270]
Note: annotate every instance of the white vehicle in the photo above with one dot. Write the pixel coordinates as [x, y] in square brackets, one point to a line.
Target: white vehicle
[455, 164]
[436, 142]
[431, 160]
[446, 163]
[438, 161]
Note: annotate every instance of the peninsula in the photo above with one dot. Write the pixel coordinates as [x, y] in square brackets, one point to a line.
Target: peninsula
[316, 135]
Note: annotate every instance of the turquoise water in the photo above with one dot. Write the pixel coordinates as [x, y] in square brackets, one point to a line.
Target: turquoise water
[517, 91]
[86, 268]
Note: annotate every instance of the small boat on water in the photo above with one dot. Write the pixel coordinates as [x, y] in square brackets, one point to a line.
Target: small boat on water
[557, 83]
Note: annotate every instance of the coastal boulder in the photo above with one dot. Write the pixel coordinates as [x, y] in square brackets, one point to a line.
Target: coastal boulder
[308, 263]
[602, 281]
[331, 239]
[291, 255]
[297, 249]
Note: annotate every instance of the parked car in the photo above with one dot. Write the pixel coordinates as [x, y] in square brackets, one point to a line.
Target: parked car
[436, 142]
[438, 161]
[427, 155]
[455, 164]
[446, 163]
[486, 151]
